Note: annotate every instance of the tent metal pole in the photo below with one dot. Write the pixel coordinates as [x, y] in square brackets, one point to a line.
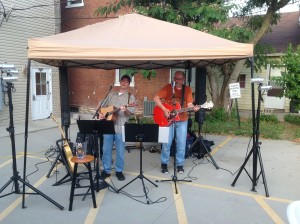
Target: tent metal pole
[26, 129]
[25, 150]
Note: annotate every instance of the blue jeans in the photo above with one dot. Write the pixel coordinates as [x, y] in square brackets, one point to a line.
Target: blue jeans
[181, 133]
[108, 141]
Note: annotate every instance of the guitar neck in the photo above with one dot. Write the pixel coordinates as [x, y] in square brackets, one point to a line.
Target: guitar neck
[185, 110]
[59, 126]
[117, 110]
[112, 112]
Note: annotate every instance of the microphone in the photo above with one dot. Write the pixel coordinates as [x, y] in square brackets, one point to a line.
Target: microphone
[111, 86]
[173, 86]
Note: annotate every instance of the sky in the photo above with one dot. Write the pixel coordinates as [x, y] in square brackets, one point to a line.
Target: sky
[292, 7]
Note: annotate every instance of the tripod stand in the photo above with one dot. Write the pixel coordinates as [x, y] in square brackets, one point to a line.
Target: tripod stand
[16, 178]
[141, 132]
[174, 177]
[203, 146]
[255, 151]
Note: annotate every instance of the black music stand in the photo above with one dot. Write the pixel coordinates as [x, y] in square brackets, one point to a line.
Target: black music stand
[141, 133]
[97, 127]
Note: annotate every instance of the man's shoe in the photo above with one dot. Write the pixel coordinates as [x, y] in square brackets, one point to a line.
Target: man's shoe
[164, 168]
[180, 169]
[120, 176]
[104, 175]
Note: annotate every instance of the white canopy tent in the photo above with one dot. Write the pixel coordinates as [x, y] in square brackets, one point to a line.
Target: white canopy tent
[131, 41]
[135, 41]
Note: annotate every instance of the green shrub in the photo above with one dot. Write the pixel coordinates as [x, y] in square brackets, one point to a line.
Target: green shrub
[293, 119]
[219, 114]
[271, 118]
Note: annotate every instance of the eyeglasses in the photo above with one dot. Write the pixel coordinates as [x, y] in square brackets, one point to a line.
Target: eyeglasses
[124, 80]
[178, 78]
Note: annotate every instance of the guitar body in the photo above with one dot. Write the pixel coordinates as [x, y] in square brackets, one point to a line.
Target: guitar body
[109, 112]
[161, 120]
[66, 147]
[159, 115]
[69, 154]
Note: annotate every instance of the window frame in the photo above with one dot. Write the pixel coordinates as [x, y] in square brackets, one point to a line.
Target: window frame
[243, 82]
[118, 78]
[73, 5]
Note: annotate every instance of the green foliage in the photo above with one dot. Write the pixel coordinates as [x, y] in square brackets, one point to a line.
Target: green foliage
[218, 114]
[147, 74]
[290, 79]
[293, 119]
[271, 118]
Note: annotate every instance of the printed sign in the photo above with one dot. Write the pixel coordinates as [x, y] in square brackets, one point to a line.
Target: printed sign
[234, 90]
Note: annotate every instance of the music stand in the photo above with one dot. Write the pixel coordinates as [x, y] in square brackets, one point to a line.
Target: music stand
[141, 133]
[97, 127]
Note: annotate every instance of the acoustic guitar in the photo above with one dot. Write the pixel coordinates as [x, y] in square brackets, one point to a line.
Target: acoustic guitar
[110, 112]
[66, 147]
[163, 121]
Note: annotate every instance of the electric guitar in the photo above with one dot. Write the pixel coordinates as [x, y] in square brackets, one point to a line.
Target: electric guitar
[110, 112]
[163, 121]
[66, 147]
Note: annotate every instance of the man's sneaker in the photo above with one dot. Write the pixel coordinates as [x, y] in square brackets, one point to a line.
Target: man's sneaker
[120, 176]
[164, 168]
[104, 175]
[180, 169]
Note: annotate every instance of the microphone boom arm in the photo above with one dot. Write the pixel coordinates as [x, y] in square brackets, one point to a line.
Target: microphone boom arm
[100, 106]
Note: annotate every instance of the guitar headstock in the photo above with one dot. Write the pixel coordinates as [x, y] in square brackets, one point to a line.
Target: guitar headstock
[207, 105]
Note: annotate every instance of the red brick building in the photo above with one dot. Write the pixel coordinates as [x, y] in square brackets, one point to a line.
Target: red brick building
[88, 86]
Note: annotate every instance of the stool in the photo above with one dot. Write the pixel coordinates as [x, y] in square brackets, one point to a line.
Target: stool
[87, 162]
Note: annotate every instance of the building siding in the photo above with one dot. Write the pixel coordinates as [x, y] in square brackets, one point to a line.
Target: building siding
[14, 34]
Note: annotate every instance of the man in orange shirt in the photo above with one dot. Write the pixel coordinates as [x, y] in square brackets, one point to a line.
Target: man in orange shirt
[177, 92]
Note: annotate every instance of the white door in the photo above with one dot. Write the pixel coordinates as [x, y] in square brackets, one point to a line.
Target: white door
[41, 93]
[272, 101]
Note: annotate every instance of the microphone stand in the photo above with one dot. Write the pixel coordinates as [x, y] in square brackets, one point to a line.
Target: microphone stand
[98, 143]
[100, 106]
[174, 124]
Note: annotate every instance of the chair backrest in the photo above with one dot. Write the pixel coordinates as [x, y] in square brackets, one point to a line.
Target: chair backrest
[293, 212]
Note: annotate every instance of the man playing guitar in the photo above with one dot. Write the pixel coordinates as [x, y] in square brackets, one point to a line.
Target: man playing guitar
[118, 99]
[172, 94]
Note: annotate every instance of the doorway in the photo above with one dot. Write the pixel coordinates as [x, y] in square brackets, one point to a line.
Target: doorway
[41, 90]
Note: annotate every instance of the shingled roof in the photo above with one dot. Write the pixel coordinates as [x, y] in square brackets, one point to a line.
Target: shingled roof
[286, 31]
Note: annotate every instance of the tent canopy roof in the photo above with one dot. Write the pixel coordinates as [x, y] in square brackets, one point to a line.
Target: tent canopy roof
[135, 41]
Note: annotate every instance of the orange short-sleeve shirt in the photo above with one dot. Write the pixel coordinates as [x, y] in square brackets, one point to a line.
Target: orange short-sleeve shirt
[166, 93]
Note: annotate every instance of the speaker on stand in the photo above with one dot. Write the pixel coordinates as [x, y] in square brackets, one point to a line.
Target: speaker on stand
[201, 146]
[200, 95]
[64, 99]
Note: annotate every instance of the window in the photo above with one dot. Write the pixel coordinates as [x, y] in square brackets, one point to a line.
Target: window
[41, 83]
[74, 3]
[119, 75]
[242, 81]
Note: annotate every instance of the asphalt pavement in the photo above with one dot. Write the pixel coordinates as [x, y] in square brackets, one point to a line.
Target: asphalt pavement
[210, 190]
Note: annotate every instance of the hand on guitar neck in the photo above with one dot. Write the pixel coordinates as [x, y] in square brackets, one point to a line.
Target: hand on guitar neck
[165, 118]
[110, 112]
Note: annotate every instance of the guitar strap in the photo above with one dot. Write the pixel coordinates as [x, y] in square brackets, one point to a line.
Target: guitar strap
[128, 98]
[182, 95]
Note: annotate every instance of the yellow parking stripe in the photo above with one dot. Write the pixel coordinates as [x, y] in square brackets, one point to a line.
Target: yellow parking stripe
[7, 162]
[269, 210]
[18, 201]
[91, 216]
[217, 148]
[181, 214]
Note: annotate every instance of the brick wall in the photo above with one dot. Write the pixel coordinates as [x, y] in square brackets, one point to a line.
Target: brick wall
[88, 86]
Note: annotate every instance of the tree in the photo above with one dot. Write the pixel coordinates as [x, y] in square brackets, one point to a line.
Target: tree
[211, 16]
[290, 79]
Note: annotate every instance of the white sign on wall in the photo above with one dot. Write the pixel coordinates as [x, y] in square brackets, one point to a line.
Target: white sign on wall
[234, 90]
